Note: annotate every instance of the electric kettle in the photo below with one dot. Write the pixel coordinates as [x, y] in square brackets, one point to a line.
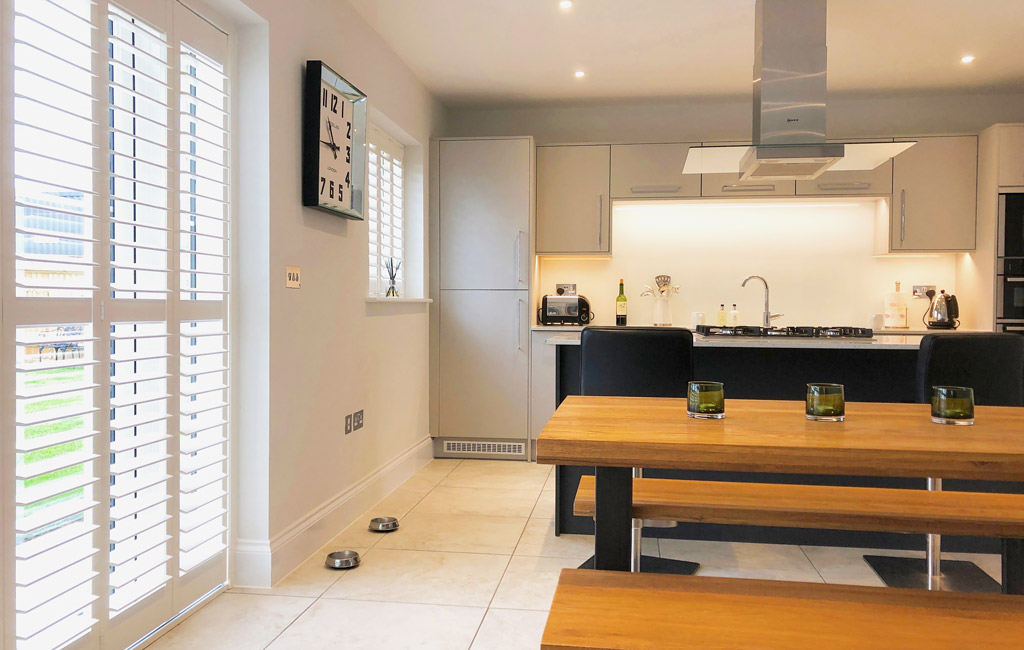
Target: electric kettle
[942, 313]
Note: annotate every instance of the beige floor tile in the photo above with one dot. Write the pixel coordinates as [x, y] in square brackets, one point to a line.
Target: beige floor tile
[505, 629]
[478, 501]
[539, 540]
[432, 473]
[498, 475]
[545, 508]
[456, 533]
[356, 536]
[311, 578]
[358, 625]
[549, 485]
[426, 577]
[768, 561]
[529, 582]
[847, 566]
[398, 503]
[237, 621]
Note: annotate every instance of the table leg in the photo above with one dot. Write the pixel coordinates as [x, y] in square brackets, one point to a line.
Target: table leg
[1013, 566]
[613, 529]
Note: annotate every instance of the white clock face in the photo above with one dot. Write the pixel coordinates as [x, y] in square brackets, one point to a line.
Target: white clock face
[336, 117]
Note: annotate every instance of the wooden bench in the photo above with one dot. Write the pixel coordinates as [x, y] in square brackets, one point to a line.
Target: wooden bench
[821, 506]
[612, 610]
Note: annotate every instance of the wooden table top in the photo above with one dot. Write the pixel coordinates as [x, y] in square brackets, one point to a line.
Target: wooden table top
[774, 436]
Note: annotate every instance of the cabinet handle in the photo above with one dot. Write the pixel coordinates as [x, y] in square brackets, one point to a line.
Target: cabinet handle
[852, 185]
[519, 257]
[655, 189]
[600, 220]
[748, 188]
[902, 215]
[519, 326]
[1014, 279]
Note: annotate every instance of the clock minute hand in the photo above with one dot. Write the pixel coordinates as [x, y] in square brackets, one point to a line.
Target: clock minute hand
[333, 145]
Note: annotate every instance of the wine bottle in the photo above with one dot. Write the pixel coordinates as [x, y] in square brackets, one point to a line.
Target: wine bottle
[620, 305]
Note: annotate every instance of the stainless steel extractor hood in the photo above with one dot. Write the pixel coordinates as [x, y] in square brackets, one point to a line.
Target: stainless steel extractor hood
[790, 92]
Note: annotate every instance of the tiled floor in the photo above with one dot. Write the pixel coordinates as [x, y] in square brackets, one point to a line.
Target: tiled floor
[473, 566]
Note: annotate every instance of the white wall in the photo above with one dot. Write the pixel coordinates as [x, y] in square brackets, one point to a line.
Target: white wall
[730, 118]
[330, 352]
[817, 257]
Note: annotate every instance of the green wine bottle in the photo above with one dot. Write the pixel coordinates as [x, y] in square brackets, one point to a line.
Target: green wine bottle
[620, 305]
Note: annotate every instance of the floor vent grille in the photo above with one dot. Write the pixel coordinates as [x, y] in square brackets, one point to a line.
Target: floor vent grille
[492, 448]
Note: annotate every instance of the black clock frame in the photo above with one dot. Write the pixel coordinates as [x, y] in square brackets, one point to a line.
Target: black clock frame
[316, 72]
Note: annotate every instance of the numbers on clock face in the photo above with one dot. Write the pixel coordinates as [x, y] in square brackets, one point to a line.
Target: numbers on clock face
[335, 139]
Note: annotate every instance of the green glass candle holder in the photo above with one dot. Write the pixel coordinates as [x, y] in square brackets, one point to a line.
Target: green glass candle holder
[705, 400]
[826, 402]
[953, 405]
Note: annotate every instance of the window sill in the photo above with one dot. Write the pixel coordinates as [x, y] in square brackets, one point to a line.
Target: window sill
[422, 301]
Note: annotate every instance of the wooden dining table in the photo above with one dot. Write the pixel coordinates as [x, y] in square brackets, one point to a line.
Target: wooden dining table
[616, 434]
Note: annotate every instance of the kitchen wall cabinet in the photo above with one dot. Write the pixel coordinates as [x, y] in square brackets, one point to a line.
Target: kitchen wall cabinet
[730, 185]
[934, 195]
[485, 196]
[573, 202]
[1011, 155]
[484, 364]
[642, 171]
[871, 182]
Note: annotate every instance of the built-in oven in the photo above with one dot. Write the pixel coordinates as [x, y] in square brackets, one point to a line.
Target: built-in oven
[1010, 264]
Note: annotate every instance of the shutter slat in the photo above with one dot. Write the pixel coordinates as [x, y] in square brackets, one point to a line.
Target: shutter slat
[53, 514]
[129, 486]
[42, 468]
[136, 463]
[134, 442]
[199, 499]
[34, 444]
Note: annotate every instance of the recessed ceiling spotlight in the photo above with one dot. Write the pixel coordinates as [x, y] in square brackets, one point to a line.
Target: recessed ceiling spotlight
[579, 74]
[966, 59]
[565, 4]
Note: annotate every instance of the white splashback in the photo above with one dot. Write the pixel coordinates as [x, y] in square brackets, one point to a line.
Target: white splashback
[818, 258]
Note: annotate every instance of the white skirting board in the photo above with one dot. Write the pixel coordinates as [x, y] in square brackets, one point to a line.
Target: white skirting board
[263, 562]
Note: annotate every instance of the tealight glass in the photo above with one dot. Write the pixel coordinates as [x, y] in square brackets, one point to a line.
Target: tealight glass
[953, 405]
[826, 402]
[705, 400]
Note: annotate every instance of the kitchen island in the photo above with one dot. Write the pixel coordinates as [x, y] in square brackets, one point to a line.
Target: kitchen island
[880, 369]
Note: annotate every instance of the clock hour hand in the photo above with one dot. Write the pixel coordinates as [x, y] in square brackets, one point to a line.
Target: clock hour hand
[330, 131]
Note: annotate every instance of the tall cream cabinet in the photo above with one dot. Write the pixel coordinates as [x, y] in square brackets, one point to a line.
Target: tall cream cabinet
[573, 199]
[484, 219]
[934, 195]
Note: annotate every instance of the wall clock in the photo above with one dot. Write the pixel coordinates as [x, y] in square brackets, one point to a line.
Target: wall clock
[333, 143]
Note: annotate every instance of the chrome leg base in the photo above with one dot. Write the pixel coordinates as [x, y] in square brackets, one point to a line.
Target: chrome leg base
[912, 573]
[651, 564]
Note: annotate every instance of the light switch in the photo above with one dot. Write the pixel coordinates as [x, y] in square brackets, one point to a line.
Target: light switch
[292, 277]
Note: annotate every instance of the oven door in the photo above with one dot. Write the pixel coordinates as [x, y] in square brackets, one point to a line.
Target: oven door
[1011, 297]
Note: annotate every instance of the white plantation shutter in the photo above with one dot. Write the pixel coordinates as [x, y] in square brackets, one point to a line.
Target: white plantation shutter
[115, 321]
[384, 209]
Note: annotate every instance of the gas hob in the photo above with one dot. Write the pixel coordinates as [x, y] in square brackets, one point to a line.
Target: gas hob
[787, 332]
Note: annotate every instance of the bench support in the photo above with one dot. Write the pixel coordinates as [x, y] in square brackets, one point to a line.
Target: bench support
[1013, 566]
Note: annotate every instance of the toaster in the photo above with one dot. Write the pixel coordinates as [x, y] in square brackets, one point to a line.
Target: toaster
[564, 310]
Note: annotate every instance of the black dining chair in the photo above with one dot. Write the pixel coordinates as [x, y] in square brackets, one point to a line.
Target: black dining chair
[993, 365]
[638, 362]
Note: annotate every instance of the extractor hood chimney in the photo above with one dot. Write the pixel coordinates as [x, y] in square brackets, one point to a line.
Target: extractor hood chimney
[790, 84]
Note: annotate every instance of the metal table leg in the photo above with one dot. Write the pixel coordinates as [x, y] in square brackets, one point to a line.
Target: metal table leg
[613, 503]
[933, 572]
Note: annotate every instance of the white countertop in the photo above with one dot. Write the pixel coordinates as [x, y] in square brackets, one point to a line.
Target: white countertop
[887, 342]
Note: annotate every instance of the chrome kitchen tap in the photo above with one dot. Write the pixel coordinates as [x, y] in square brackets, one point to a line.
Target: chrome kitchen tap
[768, 315]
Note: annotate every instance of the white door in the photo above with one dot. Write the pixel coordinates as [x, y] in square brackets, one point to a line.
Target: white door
[484, 364]
[115, 411]
[642, 171]
[485, 213]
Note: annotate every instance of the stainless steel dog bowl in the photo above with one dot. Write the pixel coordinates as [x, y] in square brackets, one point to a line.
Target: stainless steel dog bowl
[383, 524]
[342, 560]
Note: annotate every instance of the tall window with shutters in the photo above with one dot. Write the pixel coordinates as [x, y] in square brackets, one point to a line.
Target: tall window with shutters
[384, 210]
[116, 289]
